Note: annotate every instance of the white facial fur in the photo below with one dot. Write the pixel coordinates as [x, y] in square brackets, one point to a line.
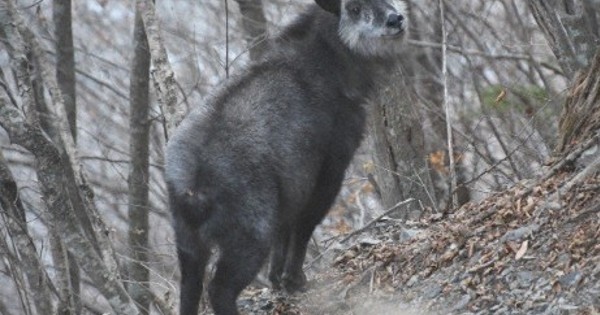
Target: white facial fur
[369, 37]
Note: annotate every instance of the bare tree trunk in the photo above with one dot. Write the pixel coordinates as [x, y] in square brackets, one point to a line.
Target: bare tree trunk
[580, 118]
[571, 30]
[396, 130]
[255, 26]
[65, 59]
[401, 140]
[163, 76]
[50, 172]
[13, 215]
[138, 176]
[56, 164]
[399, 144]
[65, 76]
[385, 174]
[67, 276]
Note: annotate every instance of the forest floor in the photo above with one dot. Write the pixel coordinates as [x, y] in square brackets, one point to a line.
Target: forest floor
[531, 249]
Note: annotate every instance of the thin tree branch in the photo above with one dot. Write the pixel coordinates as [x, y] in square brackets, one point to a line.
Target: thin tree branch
[446, 105]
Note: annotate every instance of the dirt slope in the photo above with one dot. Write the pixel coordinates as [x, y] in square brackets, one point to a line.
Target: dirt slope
[532, 249]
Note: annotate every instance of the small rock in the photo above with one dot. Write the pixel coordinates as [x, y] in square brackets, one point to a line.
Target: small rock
[368, 241]
[462, 303]
[519, 233]
[408, 234]
[524, 279]
[433, 292]
[412, 281]
[571, 279]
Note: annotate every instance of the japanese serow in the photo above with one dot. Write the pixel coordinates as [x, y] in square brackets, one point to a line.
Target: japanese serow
[256, 170]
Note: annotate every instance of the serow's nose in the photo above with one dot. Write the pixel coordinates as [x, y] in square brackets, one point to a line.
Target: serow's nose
[394, 20]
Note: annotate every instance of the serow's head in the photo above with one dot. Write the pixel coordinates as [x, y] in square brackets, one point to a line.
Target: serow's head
[370, 27]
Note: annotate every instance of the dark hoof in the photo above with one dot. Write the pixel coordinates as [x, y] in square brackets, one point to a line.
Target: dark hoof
[294, 283]
[275, 282]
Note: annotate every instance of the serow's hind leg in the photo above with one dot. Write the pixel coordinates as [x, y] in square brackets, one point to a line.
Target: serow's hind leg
[193, 255]
[293, 278]
[278, 255]
[237, 267]
[321, 200]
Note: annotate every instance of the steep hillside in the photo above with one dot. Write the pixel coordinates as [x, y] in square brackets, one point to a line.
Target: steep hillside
[532, 249]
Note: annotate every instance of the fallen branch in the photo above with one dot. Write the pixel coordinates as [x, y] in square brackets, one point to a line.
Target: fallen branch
[362, 229]
[589, 170]
[377, 219]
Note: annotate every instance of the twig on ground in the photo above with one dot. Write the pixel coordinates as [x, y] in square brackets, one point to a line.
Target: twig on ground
[362, 229]
[375, 220]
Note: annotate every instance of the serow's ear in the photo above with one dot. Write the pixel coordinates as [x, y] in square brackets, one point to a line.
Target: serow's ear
[332, 6]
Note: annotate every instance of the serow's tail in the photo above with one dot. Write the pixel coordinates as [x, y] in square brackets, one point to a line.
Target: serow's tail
[192, 207]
